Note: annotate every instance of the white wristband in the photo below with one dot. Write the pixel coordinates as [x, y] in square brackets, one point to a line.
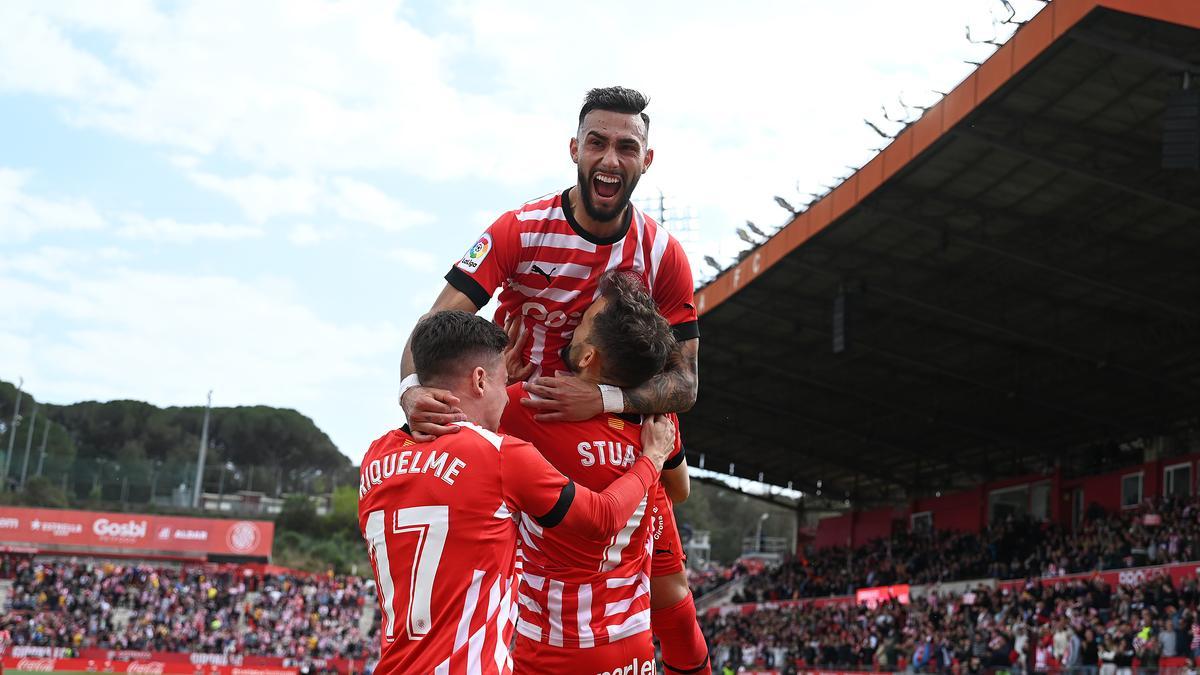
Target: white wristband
[408, 383]
[614, 400]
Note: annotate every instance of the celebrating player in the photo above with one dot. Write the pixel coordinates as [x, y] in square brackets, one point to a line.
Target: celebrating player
[439, 517]
[585, 603]
[548, 257]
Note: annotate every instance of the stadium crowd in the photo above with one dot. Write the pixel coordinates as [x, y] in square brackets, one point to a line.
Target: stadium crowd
[1046, 625]
[1042, 628]
[76, 605]
[1012, 549]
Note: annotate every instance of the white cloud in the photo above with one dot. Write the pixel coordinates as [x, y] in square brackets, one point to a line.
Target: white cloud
[365, 203]
[414, 259]
[168, 337]
[264, 197]
[23, 215]
[172, 231]
[307, 234]
[301, 85]
[37, 56]
[746, 103]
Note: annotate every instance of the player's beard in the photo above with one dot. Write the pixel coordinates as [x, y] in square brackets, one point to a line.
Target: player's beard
[565, 355]
[589, 203]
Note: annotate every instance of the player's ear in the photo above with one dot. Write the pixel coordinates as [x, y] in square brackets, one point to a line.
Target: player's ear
[478, 380]
[575, 149]
[588, 355]
[649, 158]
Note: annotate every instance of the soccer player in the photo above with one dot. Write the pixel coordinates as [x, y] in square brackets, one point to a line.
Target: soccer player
[585, 603]
[547, 258]
[440, 517]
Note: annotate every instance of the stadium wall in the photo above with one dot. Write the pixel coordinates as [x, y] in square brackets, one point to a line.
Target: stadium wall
[967, 511]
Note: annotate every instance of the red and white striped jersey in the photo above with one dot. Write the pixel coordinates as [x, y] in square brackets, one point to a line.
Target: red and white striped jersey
[575, 591]
[550, 269]
[439, 523]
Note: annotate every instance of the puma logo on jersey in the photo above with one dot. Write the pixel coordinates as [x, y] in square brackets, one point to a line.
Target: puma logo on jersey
[608, 453]
[543, 272]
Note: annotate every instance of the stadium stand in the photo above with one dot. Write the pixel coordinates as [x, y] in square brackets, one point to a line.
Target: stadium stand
[958, 347]
[81, 606]
[1013, 548]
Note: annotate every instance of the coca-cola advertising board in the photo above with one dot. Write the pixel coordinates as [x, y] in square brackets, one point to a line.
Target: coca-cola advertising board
[1122, 577]
[94, 531]
[873, 597]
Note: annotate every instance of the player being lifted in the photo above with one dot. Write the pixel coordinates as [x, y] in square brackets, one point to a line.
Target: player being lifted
[548, 256]
[439, 517]
[585, 603]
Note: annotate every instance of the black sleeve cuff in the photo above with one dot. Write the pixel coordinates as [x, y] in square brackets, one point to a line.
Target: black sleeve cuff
[556, 514]
[674, 460]
[463, 282]
[689, 330]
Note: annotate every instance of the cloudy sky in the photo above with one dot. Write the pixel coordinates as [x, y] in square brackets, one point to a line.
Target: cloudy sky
[260, 198]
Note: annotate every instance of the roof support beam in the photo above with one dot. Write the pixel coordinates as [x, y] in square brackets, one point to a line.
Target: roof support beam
[1096, 360]
[1086, 234]
[717, 433]
[1168, 61]
[839, 460]
[928, 417]
[1034, 155]
[769, 499]
[946, 231]
[1003, 392]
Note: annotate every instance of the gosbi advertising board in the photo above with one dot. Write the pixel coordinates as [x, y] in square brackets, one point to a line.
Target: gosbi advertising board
[54, 530]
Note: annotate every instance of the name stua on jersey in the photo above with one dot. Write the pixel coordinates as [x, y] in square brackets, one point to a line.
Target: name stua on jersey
[428, 461]
[607, 453]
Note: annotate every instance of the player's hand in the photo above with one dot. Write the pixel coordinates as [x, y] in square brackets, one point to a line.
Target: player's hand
[431, 412]
[518, 369]
[658, 439]
[563, 398]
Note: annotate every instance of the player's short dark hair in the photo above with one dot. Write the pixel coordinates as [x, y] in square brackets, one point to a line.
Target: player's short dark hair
[633, 338]
[449, 343]
[615, 99]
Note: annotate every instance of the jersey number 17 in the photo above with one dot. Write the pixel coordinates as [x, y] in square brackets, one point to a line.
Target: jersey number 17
[429, 524]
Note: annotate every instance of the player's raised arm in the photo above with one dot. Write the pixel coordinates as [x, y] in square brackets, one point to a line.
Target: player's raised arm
[470, 283]
[430, 411]
[533, 486]
[674, 389]
[675, 479]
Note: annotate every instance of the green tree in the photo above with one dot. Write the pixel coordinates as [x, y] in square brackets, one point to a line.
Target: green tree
[299, 515]
[41, 492]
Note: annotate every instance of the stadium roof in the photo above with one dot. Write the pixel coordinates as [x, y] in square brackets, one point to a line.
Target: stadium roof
[1020, 278]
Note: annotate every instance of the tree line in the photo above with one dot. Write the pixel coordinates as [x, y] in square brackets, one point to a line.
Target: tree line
[95, 445]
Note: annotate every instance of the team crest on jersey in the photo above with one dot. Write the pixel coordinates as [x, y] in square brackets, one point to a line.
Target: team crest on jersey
[474, 257]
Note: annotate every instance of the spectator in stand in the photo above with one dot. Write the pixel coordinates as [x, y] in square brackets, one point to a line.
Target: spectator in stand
[1090, 653]
[190, 609]
[1014, 548]
[946, 633]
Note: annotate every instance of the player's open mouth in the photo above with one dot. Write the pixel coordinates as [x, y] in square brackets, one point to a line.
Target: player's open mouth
[606, 185]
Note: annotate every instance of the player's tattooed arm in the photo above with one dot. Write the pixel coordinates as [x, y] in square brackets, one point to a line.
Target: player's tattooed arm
[674, 389]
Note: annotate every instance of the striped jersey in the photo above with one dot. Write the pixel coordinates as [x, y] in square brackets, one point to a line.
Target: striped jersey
[548, 269]
[577, 592]
[439, 522]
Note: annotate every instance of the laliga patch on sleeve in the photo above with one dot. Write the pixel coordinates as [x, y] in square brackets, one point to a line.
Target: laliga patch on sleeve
[474, 257]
